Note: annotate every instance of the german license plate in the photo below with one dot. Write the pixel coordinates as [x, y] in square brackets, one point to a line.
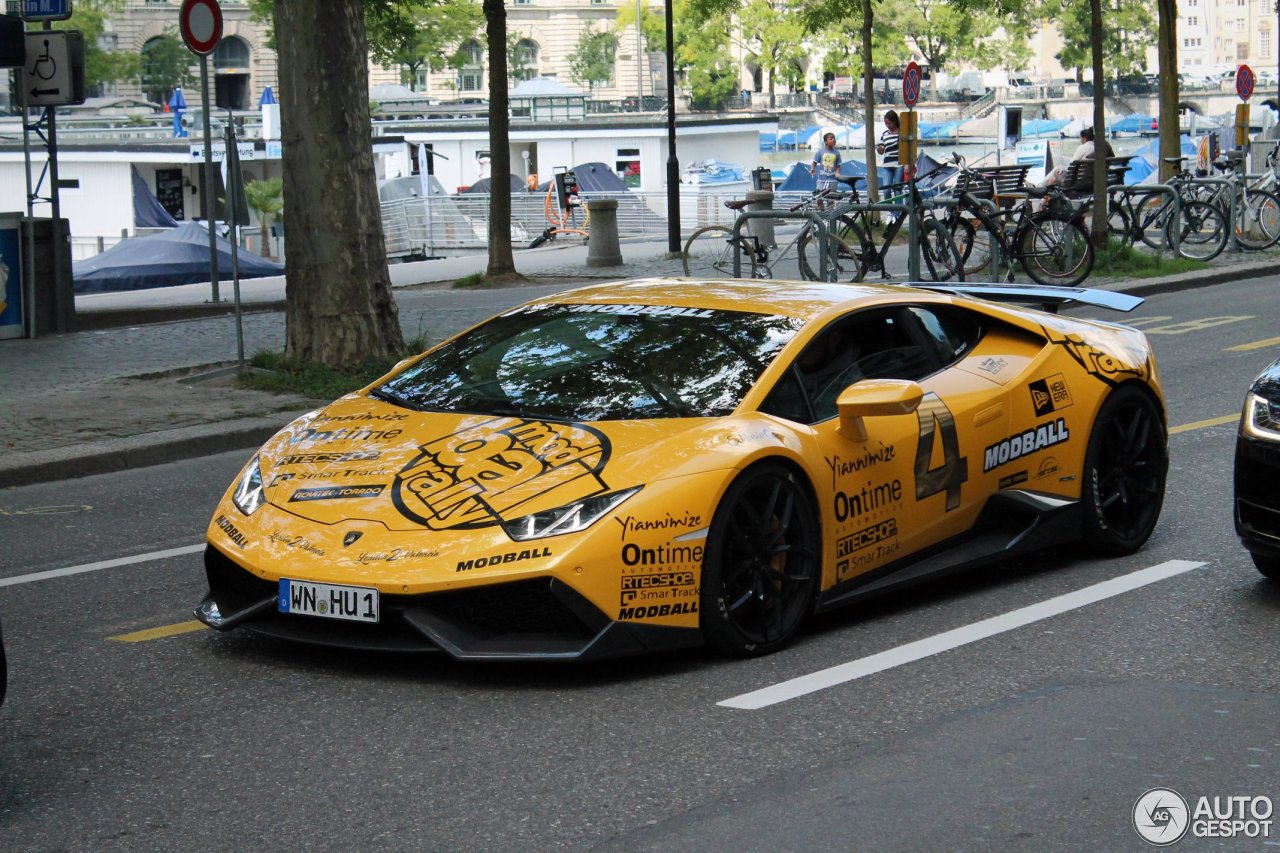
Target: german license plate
[354, 603]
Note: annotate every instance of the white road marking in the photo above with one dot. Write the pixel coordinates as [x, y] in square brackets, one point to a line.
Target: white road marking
[103, 564]
[962, 636]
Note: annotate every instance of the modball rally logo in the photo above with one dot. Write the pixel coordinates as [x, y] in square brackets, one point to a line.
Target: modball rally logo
[1162, 817]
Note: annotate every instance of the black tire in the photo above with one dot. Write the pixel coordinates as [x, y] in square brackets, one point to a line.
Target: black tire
[1119, 226]
[1269, 566]
[1056, 251]
[1154, 213]
[1125, 468]
[849, 251]
[1202, 231]
[974, 243]
[708, 254]
[762, 564]
[941, 257]
[1259, 227]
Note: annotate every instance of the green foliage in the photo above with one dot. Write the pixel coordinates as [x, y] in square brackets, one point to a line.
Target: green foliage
[1128, 29]
[292, 376]
[594, 58]
[474, 280]
[266, 198]
[101, 66]
[776, 40]
[1120, 260]
[166, 65]
[438, 31]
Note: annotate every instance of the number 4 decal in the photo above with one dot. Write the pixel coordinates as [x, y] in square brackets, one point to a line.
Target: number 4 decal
[934, 417]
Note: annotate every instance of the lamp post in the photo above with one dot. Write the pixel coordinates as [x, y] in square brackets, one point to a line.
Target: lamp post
[673, 163]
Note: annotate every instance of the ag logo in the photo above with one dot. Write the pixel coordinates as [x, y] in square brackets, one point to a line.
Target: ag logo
[492, 472]
[1161, 816]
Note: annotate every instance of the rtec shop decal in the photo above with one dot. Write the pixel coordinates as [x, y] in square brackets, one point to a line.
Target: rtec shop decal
[1025, 443]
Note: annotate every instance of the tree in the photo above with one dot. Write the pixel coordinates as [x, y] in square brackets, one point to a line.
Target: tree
[266, 198]
[438, 31]
[594, 58]
[1124, 39]
[339, 308]
[166, 65]
[700, 52]
[1167, 51]
[101, 64]
[501, 261]
[776, 37]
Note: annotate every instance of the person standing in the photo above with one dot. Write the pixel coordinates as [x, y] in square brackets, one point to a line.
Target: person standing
[888, 147]
[826, 163]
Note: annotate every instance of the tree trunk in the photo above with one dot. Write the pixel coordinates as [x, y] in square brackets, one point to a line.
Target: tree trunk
[501, 261]
[1098, 227]
[339, 310]
[869, 93]
[1167, 45]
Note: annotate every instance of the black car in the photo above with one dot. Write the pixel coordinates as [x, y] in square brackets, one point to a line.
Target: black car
[1258, 470]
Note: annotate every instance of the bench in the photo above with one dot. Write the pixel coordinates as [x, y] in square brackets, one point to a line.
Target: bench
[1078, 178]
[1003, 184]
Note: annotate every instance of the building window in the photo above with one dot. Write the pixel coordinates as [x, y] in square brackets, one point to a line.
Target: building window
[627, 165]
[524, 61]
[1242, 51]
[470, 80]
[471, 72]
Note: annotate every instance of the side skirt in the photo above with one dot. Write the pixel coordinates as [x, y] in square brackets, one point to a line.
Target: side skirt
[1013, 522]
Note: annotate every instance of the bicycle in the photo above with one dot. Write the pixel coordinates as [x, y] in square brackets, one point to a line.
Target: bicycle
[1137, 214]
[1051, 244]
[709, 251]
[855, 249]
[1256, 209]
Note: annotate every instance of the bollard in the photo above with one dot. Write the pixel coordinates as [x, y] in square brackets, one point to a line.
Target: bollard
[762, 228]
[602, 248]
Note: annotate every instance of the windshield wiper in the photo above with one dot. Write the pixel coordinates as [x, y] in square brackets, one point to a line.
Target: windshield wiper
[395, 399]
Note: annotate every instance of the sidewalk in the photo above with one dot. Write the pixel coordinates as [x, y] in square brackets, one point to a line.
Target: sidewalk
[128, 391]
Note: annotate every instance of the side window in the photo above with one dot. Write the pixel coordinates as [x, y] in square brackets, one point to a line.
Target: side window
[951, 332]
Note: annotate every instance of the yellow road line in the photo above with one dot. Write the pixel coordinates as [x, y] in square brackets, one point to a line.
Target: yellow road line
[1269, 342]
[1225, 419]
[162, 631]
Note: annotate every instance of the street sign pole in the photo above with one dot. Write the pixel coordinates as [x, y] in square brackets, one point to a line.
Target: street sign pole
[55, 207]
[210, 193]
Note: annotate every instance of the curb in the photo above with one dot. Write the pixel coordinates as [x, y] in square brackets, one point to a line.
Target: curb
[140, 451]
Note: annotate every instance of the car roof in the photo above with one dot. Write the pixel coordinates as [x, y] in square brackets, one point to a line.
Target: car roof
[804, 300]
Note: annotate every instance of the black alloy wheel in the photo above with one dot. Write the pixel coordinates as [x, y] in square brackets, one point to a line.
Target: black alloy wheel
[1124, 473]
[762, 564]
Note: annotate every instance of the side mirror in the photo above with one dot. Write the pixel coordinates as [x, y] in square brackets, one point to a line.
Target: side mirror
[873, 398]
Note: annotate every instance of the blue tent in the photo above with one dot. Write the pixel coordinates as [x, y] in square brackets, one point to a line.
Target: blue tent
[1145, 160]
[178, 256]
[1136, 123]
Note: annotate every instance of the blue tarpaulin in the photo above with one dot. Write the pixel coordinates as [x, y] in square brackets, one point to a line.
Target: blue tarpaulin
[1038, 128]
[179, 256]
[147, 210]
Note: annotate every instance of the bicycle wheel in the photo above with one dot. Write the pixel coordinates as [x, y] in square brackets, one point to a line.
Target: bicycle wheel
[941, 256]
[1152, 226]
[847, 261]
[1055, 251]
[1259, 224]
[1118, 223]
[1201, 230]
[973, 242]
[708, 253]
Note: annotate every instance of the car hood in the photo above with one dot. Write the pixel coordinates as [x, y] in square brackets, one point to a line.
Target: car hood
[363, 459]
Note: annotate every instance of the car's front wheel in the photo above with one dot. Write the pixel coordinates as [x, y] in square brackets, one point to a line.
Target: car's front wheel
[761, 567]
[1124, 473]
[1269, 566]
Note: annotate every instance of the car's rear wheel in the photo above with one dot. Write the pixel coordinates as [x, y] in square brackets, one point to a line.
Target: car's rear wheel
[1124, 473]
[1269, 566]
[761, 567]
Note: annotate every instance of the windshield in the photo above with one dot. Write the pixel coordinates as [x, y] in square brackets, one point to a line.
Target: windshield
[597, 362]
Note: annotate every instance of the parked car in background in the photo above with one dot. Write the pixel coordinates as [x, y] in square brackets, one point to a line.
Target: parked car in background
[1257, 500]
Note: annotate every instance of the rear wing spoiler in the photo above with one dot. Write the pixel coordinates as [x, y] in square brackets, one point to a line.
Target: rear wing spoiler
[1047, 297]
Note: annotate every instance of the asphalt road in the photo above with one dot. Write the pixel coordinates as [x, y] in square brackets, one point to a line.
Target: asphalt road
[1041, 737]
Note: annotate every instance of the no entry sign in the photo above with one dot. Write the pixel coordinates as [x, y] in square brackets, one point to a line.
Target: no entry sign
[201, 25]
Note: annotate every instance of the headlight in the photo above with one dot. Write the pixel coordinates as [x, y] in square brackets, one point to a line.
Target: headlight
[248, 495]
[569, 518]
[1261, 418]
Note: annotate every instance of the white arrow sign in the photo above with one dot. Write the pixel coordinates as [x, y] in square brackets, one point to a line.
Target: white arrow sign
[46, 78]
[244, 149]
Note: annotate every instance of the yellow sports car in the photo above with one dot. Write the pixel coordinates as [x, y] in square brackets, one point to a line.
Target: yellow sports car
[662, 463]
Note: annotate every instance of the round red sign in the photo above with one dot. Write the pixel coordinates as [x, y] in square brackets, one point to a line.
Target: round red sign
[201, 24]
[911, 84]
[1244, 82]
